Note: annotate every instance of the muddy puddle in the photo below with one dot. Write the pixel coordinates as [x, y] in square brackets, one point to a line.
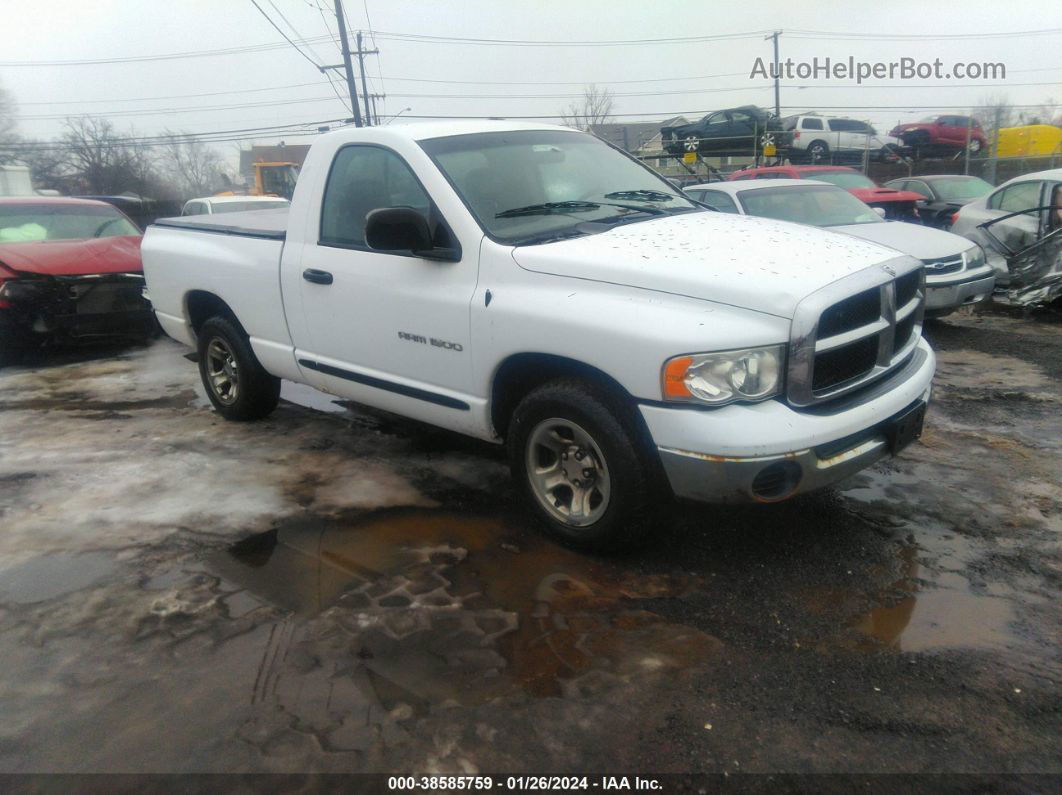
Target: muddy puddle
[920, 611]
[422, 608]
[452, 606]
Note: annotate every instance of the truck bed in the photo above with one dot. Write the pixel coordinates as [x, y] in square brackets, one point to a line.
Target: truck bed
[268, 224]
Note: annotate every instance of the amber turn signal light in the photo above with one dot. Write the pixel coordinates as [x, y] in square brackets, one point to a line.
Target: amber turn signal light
[675, 377]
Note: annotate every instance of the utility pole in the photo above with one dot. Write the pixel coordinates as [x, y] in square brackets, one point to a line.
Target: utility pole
[777, 73]
[361, 66]
[375, 115]
[347, 65]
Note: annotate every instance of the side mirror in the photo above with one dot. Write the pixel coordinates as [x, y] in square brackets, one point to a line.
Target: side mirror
[403, 229]
[880, 211]
[397, 229]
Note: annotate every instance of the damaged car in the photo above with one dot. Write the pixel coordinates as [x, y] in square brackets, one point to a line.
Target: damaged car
[1019, 226]
[69, 272]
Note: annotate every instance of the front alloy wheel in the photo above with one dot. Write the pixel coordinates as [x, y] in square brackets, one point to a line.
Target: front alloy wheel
[567, 472]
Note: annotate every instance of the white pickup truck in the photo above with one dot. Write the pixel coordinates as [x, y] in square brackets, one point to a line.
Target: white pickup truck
[532, 285]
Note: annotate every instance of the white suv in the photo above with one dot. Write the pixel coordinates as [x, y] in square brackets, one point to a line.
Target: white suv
[816, 138]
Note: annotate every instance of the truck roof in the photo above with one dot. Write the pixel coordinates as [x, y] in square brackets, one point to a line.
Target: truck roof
[424, 130]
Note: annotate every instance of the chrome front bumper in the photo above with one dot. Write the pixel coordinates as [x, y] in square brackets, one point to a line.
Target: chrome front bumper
[769, 452]
[949, 296]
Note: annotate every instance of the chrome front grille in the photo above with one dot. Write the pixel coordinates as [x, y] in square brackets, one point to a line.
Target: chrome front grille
[854, 331]
[943, 265]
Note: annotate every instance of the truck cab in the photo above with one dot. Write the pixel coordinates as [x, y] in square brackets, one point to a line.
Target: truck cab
[534, 286]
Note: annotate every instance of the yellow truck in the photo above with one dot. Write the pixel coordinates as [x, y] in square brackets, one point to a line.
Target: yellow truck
[1032, 140]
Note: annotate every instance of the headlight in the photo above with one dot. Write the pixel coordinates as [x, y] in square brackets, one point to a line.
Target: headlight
[974, 257]
[726, 376]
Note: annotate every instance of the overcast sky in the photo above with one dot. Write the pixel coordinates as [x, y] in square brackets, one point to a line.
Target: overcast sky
[448, 78]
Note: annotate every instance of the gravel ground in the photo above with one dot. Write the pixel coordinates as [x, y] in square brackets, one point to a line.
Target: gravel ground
[336, 590]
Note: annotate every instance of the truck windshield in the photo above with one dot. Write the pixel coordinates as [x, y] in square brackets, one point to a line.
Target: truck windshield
[815, 205]
[532, 186]
[28, 223]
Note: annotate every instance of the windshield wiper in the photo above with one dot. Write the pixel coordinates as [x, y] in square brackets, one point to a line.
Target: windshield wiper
[548, 207]
[640, 195]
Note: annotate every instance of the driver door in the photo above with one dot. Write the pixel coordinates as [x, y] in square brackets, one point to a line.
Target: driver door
[376, 324]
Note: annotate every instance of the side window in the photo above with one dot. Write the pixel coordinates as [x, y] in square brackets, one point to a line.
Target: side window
[362, 179]
[920, 187]
[837, 125]
[811, 124]
[715, 119]
[194, 208]
[1023, 196]
[719, 200]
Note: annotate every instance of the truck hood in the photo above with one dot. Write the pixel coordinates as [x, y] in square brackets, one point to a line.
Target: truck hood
[879, 195]
[753, 263]
[74, 257]
[918, 241]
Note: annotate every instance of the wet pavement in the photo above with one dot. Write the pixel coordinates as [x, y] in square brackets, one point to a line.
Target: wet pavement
[338, 590]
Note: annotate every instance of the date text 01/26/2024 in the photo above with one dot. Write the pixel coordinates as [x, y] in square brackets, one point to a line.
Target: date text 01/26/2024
[541, 783]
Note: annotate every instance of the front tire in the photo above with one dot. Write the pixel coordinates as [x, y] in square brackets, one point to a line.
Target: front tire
[579, 462]
[238, 386]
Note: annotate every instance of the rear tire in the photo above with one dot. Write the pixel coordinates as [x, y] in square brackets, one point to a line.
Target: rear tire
[581, 465]
[237, 385]
[818, 151]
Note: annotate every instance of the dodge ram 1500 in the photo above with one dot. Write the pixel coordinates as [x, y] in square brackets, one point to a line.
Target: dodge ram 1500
[534, 286]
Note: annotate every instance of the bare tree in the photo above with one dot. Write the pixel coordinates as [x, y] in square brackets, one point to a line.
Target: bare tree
[193, 168]
[594, 108]
[49, 165]
[100, 161]
[1048, 112]
[8, 125]
[994, 110]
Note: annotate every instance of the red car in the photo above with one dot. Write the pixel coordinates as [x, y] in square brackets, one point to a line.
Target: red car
[69, 271]
[937, 134]
[899, 205]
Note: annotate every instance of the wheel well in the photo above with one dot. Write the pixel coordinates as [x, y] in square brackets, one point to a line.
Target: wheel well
[522, 372]
[201, 306]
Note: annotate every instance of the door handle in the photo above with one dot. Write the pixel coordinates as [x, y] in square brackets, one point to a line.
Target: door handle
[316, 276]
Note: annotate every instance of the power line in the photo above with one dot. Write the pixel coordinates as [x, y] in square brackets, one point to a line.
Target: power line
[473, 83]
[285, 35]
[511, 96]
[430, 39]
[188, 109]
[818, 34]
[251, 48]
[261, 130]
[172, 96]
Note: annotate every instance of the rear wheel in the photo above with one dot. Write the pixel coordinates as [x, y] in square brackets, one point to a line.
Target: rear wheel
[579, 462]
[818, 151]
[237, 385]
